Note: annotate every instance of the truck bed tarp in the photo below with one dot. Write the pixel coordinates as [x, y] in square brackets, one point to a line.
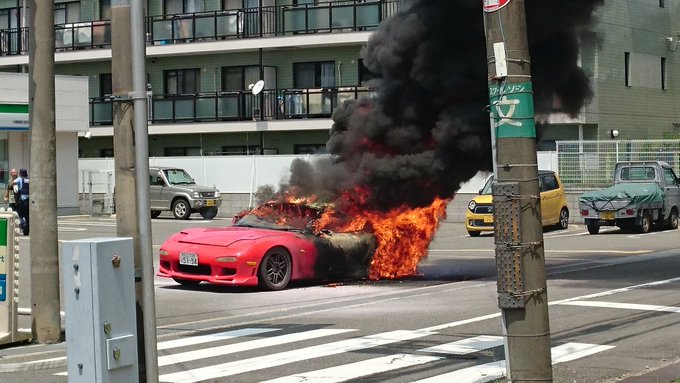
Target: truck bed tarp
[638, 193]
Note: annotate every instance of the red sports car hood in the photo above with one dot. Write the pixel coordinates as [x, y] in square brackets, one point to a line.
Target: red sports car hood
[225, 236]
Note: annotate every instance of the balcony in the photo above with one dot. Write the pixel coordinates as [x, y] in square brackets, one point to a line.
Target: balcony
[271, 21]
[277, 104]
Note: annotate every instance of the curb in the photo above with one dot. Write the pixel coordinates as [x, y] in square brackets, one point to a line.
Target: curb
[34, 365]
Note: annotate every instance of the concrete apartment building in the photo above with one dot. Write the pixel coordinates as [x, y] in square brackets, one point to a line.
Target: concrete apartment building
[203, 57]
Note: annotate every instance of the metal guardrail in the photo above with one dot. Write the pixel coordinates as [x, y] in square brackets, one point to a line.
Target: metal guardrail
[96, 190]
[265, 21]
[276, 104]
[590, 164]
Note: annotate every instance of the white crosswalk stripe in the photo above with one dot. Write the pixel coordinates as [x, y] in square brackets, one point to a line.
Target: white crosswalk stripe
[257, 363]
[266, 338]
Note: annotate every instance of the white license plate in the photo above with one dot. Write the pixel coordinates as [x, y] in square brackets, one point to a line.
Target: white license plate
[210, 202]
[190, 259]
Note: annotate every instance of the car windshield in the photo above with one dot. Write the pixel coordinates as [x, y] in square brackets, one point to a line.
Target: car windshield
[178, 177]
[280, 216]
[487, 186]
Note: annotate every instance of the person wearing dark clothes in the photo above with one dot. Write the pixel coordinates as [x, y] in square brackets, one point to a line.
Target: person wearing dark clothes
[22, 199]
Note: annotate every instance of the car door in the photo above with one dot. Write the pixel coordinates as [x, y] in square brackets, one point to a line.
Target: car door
[672, 189]
[156, 184]
[550, 198]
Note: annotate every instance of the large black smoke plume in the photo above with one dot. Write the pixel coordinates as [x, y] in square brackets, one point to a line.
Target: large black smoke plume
[427, 130]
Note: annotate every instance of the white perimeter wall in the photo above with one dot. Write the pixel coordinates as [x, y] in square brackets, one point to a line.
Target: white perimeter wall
[244, 174]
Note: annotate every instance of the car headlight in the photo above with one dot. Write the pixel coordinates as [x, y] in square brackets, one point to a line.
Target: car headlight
[217, 194]
[472, 205]
[196, 194]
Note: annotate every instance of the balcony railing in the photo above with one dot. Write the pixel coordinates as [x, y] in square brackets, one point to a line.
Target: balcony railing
[270, 21]
[276, 104]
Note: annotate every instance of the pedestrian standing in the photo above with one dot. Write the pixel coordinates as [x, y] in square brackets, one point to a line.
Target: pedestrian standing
[9, 190]
[22, 199]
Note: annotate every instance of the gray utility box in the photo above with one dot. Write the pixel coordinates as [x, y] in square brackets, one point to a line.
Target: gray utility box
[99, 295]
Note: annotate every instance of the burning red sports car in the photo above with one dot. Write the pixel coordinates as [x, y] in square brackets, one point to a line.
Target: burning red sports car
[270, 246]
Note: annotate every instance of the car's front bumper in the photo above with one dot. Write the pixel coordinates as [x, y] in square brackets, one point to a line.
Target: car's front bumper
[237, 273]
[206, 203]
[479, 222]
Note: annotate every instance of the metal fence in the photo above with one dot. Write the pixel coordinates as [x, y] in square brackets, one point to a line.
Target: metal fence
[96, 188]
[590, 164]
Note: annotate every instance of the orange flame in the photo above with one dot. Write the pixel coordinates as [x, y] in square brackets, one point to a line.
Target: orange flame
[403, 235]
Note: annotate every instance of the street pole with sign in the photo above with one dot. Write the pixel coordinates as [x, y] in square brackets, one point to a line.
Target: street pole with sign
[520, 255]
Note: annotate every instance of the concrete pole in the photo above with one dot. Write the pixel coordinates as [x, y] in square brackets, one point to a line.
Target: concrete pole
[125, 193]
[520, 255]
[45, 305]
[142, 173]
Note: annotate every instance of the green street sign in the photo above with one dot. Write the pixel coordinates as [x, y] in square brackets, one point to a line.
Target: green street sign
[512, 107]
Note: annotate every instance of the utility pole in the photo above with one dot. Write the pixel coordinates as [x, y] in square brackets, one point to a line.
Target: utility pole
[127, 224]
[45, 305]
[520, 254]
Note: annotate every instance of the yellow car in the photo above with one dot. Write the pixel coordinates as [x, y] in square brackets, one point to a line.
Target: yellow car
[554, 211]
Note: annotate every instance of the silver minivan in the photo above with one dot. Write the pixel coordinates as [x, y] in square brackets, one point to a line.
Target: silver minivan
[173, 189]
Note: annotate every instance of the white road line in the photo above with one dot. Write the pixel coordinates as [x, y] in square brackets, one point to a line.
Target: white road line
[496, 370]
[357, 370]
[194, 340]
[467, 346]
[626, 306]
[391, 362]
[273, 360]
[246, 346]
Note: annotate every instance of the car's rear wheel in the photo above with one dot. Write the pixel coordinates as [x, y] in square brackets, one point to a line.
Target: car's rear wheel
[593, 228]
[181, 209]
[564, 219]
[155, 213]
[186, 282]
[474, 233]
[208, 212]
[645, 223]
[275, 269]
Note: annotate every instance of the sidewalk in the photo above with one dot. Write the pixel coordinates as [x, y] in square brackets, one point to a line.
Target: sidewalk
[19, 357]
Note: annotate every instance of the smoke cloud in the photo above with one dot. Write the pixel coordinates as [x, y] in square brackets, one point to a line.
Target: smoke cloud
[426, 130]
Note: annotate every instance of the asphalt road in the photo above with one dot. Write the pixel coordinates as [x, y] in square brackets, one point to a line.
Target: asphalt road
[614, 312]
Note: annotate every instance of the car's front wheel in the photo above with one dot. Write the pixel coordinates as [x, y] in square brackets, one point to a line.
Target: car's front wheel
[155, 213]
[673, 220]
[181, 209]
[275, 269]
[208, 212]
[474, 233]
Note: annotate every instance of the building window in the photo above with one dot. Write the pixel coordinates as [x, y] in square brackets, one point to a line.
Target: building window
[663, 73]
[176, 7]
[104, 9]
[66, 13]
[662, 3]
[239, 150]
[365, 74]
[236, 78]
[105, 85]
[106, 153]
[182, 151]
[182, 81]
[627, 68]
[314, 74]
[310, 149]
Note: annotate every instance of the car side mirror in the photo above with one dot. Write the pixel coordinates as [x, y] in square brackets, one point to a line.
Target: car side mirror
[480, 191]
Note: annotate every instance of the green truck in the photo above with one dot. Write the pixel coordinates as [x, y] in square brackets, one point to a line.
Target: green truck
[645, 193]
